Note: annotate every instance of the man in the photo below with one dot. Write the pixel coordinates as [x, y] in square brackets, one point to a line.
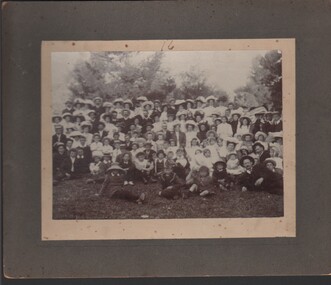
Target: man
[277, 123]
[260, 154]
[178, 136]
[70, 165]
[259, 178]
[69, 107]
[259, 124]
[126, 120]
[82, 162]
[58, 137]
[98, 108]
[93, 120]
[101, 130]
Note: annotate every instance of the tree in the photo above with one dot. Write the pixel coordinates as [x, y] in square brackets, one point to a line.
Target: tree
[265, 82]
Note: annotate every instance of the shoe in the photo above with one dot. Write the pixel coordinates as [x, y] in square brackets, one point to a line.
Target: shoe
[126, 183]
[204, 193]
[131, 183]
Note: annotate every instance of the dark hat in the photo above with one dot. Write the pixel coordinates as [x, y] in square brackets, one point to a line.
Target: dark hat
[101, 123]
[246, 157]
[256, 144]
[220, 162]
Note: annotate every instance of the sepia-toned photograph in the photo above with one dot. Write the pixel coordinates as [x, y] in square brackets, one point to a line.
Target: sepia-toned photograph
[166, 134]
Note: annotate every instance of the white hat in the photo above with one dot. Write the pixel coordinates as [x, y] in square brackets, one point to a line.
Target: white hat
[66, 114]
[179, 102]
[190, 122]
[89, 102]
[86, 124]
[128, 101]
[141, 98]
[259, 133]
[107, 104]
[201, 99]
[97, 98]
[211, 97]
[183, 112]
[97, 153]
[75, 134]
[118, 100]
[148, 103]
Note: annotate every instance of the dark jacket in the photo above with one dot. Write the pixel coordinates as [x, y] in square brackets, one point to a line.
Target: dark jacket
[67, 166]
[182, 139]
[55, 139]
[58, 161]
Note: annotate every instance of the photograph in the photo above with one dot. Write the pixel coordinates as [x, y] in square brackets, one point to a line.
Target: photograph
[166, 134]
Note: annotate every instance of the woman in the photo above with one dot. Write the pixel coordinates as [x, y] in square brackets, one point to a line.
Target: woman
[191, 132]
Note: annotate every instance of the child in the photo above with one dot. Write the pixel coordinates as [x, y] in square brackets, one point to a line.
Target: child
[86, 128]
[115, 179]
[134, 150]
[224, 129]
[106, 162]
[159, 163]
[182, 167]
[232, 165]
[207, 160]
[247, 140]
[191, 132]
[202, 182]
[170, 161]
[160, 141]
[220, 176]
[170, 183]
[274, 154]
[143, 167]
[173, 147]
[96, 144]
[95, 166]
[127, 164]
[117, 151]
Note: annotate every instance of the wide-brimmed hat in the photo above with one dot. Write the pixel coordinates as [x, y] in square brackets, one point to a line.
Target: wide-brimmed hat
[56, 116]
[148, 103]
[259, 133]
[89, 112]
[211, 131]
[220, 162]
[76, 134]
[106, 138]
[247, 134]
[231, 140]
[211, 97]
[189, 101]
[201, 99]
[245, 117]
[140, 153]
[89, 102]
[140, 140]
[270, 160]
[236, 113]
[97, 98]
[79, 101]
[128, 101]
[257, 144]
[58, 126]
[107, 105]
[246, 157]
[181, 113]
[190, 122]
[180, 102]
[66, 115]
[115, 166]
[104, 116]
[97, 153]
[231, 153]
[176, 123]
[141, 98]
[86, 124]
[118, 100]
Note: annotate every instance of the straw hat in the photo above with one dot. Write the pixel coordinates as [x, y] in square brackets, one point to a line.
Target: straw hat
[148, 103]
[115, 166]
[259, 133]
[246, 157]
[141, 98]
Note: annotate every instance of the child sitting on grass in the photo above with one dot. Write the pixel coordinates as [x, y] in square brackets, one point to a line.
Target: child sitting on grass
[159, 163]
[202, 183]
[113, 183]
[143, 167]
[171, 184]
[220, 176]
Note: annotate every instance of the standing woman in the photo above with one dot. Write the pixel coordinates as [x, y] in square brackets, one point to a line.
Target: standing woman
[244, 125]
[191, 132]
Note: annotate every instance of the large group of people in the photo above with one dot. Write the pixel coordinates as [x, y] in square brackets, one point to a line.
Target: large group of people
[187, 146]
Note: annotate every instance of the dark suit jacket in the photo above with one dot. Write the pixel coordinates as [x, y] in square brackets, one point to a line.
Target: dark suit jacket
[182, 139]
[67, 164]
[104, 134]
[83, 165]
[57, 161]
[55, 139]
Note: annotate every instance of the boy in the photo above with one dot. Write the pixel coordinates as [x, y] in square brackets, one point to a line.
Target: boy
[143, 167]
[70, 166]
[113, 183]
[220, 176]
[170, 183]
[202, 182]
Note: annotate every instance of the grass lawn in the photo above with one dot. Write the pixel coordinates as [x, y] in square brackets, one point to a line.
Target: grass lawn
[76, 200]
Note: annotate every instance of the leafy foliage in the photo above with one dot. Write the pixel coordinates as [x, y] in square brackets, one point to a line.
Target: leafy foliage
[265, 82]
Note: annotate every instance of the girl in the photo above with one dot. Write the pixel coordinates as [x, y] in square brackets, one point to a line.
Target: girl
[78, 119]
[95, 166]
[247, 141]
[261, 137]
[207, 160]
[190, 151]
[181, 116]
[202, 134]
[86, 131]
[182, 167]
[164, 114]
[244, 125]
[160, 141]
[134, 150]
[106, 148]
[224, 129]
[109, 126]
[212, 146]
[274, 154]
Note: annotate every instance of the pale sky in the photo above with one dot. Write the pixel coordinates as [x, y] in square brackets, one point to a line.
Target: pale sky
[227, 70]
